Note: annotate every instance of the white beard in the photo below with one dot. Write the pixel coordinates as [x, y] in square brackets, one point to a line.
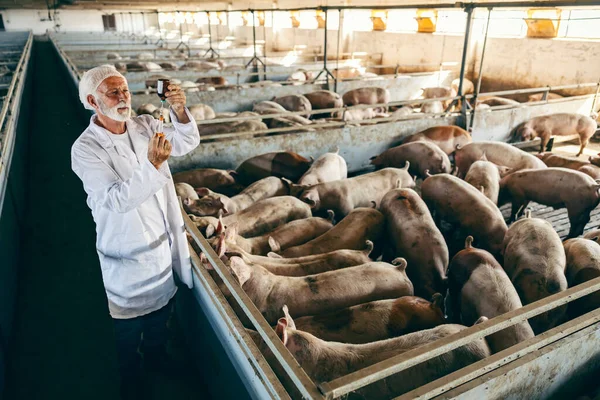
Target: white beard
[113, 113]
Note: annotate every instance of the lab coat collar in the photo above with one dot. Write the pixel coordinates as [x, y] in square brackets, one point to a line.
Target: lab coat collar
[102, 135]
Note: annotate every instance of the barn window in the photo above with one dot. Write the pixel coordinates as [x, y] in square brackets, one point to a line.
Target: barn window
[109, 22]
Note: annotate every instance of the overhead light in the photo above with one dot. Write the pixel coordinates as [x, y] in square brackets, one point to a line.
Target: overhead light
[379, 19]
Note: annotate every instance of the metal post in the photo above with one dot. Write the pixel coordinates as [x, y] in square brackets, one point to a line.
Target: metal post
[181, 43]
[478, 87]
[210, 50]
[132, 27]
[255, 59]
[463, 66]
[337, 57]
[160, 42]
[145, 37]
[325, 70]
[593, 110]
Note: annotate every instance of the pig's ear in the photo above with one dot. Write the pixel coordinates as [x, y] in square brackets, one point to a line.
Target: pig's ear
[231, 232]
[406, 166]
[201, 192]
[330, 216]
[368, 247]
[483, 157]
[528, 213]
[480, 320]
[482, 189]
[400, 263]
[205, 262]
[233, 173]
[337, 150]
[437, 300]
[281, 331]
[274, 244]
[187, 201]
[458, 147]
[595, 239]
[427, 174]
[273, 255]
[312, 159]
[374, 203]
[241, 270]
[307, 198]
[288, 317]
[222, 207]
[211, 230]
[469, 242]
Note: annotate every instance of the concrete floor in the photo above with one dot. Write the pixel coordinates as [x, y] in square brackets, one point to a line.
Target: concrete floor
[63, 343]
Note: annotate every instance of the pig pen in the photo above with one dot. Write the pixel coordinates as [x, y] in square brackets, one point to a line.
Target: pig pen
[548, 365]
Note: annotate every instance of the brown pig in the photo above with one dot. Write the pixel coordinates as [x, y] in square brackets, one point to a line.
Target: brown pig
[422, 156]
[301, 266]
[327, 168]
[595, 160]
[359, 225]
[361, 191]
[561, 124]
[457, 202]
[534, 260]
[219, 180]
[291, 234]
[446, 137]
[259, 190]
[367, 95]
[184, 191]
[320, 293]
[479, 287]
[377, 320]
[414, 236]
[494, 101]
[555, 160]
[499, 153]
[294, 102]
[555, 187]
[324, 99]
[261, 217]
[268, 107]
[594, 235]
[213, 80]
[324, 361]
[583, 264]
[485, 176]
[283, 164]
[432, 107]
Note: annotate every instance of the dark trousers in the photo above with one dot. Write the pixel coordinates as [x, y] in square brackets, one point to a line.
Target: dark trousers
[128, 335]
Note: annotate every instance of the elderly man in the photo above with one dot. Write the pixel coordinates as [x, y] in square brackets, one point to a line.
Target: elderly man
[122, 163]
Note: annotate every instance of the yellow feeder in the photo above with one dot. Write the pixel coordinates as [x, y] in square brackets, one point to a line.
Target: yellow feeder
[320, 16]
[222, 18]
[294, 17]
[543, 22]
[379, 19]
[426, 20]
[261, 18]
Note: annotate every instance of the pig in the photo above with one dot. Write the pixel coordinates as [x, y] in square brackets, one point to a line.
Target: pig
[446, 137]
[320, 293]
[367, 95]
[595, 160]
[231, 127]
[324, 361]
[287, 121]
[297, 76]
[437, 92]
[189, 86]
[222, 181]
[113, 56]
[184, 191]
[499, 153]
[327, 168]
[479, 287]
[361, 191]
[561, 124]
[413, 234]
[485, 176]
[145, 56]
[555, 187]
[165, 114]
[147, 108]
[300, 266]
[199, 65]
[291, 234]
[324, 99]
[150, 66]
[583, 264]
[283, 164]
[294, 102]
[168, 66]
[213, 80]
[535, 261]
[268, 107]
[457, 202]
[359, 225]
[494, 101]
[201, 112]
[538, 97]
[377, 320]
[261, 217]
[594, 235]
[358, 114]
[121, 67]
[432, 107]
[468, 87]
[422, 156]
[555, 160]
[402, 112]
[259, 190]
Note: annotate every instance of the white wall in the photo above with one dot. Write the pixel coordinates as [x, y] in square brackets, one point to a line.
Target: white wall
[70, 20]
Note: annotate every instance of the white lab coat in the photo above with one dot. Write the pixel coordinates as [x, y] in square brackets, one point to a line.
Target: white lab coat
[120, 187]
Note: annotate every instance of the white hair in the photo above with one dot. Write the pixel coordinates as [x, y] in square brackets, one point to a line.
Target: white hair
[91, 79]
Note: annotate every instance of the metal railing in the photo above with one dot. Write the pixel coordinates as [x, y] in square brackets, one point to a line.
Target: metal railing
[9, 115]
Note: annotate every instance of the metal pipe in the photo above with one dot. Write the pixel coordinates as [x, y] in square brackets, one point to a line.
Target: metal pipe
[339, 38]
[471, 120]
[402, 362]
[593, 110]
[463, 64]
